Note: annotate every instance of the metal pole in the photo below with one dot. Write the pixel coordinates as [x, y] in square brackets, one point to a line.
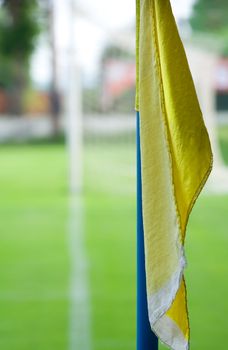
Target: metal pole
[146, 340]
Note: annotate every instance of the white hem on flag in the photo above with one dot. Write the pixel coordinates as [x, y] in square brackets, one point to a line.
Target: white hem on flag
[170, 333]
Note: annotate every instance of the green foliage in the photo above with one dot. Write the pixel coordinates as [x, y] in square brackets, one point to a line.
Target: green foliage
[19, 28]
[210, 17]
[91, 100]
[5, 73]
[223, 142]
[113, 51]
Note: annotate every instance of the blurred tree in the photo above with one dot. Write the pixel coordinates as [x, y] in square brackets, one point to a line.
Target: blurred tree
[19, 29]
[113, 51]
[55, 100]
[210, 17]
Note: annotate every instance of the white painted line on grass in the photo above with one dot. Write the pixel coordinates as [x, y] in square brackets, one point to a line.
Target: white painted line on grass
[80, 309]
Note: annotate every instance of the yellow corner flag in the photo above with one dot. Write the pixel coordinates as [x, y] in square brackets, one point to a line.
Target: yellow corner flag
[176, 160]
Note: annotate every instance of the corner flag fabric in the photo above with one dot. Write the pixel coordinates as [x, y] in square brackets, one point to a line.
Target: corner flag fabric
[176, 160]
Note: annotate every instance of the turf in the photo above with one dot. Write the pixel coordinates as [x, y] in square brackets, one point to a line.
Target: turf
[33, 251]
[34, 258]
[111, 224]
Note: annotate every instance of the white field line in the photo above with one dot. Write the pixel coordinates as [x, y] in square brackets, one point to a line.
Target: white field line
[80, 317]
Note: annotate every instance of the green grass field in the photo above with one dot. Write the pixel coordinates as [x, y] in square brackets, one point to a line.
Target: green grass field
[34, 254]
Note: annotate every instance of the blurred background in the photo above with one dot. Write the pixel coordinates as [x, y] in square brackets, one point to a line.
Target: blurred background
[67, 178]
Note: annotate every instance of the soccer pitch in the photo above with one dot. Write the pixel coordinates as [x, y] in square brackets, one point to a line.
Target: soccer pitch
[35, 271]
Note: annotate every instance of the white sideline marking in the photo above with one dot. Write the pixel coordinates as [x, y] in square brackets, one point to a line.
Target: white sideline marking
[79, 322]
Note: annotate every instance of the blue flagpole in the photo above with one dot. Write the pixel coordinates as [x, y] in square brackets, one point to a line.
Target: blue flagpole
[146, 339]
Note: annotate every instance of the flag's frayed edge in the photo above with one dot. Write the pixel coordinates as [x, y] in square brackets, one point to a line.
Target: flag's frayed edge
[156, 316]
[168, 329]
[160, 298]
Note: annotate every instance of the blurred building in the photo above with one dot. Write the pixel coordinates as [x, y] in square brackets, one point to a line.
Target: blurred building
[209, 74]
[118, 78]
[221, 86]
